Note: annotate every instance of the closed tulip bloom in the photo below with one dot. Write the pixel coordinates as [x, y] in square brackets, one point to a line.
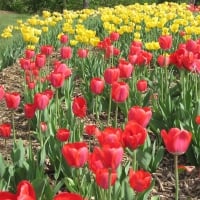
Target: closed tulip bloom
[112, 156]
[134, 135]
[111, 75]
[114, 36]
[176, 140]
[41, 100]
[96, 85]
[68, 196]
[110, 136]
[197, 119]
[102, 177]
[126, 69]
[57, 79]
[79, 107]
[82, 53]
[142, 85]
[163, 60]
[5, 130]
[12, 100]
[29, 53]
[62, 134]
[165, 42]
[75, 154]
[40, 60]
[141, 115]
[64, 69]
[139, 180]
[46, 49]
[25, 191]
[63, 39]
[29, 110]
[49, 93]
[2, 92]
[90, 129]
[119, 92]
[43, 126]
[66, 52]
[25, 63]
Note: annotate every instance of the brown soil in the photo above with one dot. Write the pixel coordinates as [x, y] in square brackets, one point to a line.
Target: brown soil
[12, 78]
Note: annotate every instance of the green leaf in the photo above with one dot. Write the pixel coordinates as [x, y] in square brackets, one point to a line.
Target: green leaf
[144, 159]
[2, 166]
[144, 195]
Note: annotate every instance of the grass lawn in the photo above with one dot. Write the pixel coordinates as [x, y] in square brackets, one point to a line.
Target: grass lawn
[6, 19]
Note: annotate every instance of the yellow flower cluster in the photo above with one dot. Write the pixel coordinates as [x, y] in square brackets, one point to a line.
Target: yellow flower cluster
[138, 21]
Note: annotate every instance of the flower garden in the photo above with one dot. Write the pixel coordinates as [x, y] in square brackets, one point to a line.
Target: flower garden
[106, 93]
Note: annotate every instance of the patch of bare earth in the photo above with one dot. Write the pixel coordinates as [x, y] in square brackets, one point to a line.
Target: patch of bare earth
[12, 79]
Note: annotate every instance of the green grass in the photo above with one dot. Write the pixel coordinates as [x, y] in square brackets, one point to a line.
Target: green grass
[6, 47]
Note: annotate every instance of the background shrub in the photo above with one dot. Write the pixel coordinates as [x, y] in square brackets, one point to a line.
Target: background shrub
[36, 6]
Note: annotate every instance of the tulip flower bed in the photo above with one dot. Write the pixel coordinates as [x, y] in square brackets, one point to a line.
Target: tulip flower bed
[105, 101]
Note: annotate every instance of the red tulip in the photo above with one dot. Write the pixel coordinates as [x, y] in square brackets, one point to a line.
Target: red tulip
[41, 100]
[46, 50]
[90, 129]
[29, 53]
[40, 60]
[63, 39]
[25, 191]
[5, 130]
[110, 136]
[176, 141]
[75, 154]
[12, 100]
[126, 68]
[120, 91]
[29, 110]
[66, 52]
[62, 134]
[102, 177]
[82, 53]
[165, 42]
[8, 196]
[96, 85]
[191, 45]
[68, 196]
[142, 85]
[105, 157]
[134, 135]
[57, 79]
[114, 36]
[64, 69]
[79, 107]
[43, 126]
[139, 180]
[140, 115]
[49, 93]
[197, 119]
[163, 60]
[111, 75]
[25, 63]
[2, 92]
[31, 85]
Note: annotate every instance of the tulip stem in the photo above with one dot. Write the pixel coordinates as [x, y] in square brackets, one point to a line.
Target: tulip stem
[134, 160]
[109, 108]
[6, 150]
[13, 126]
[109, 184]
[176, 177]
[116, 115]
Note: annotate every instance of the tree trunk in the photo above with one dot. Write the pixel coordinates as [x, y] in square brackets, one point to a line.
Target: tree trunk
[85, 3]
